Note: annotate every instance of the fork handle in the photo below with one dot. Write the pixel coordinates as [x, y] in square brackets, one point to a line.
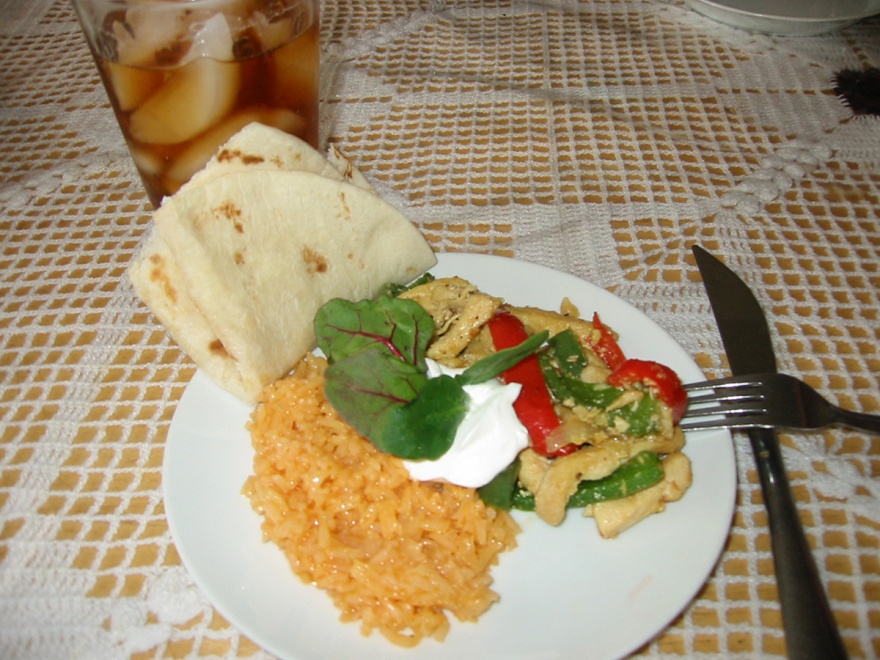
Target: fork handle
[810, 628]
[858, 420]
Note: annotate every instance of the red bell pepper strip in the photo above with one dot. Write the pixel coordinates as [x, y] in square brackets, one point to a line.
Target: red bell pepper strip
[534, 405]
[607, 347]
[664, 382]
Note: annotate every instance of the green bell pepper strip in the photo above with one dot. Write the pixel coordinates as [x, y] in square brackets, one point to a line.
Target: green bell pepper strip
[662, 381]
[638, 473]
[641, 417]
[566, 349]
[562, 363]
[566, 388]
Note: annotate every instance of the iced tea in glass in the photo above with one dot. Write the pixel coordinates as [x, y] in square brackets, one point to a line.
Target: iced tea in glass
[185, 75]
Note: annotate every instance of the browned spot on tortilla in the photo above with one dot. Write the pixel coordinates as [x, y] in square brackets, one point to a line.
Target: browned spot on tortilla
[348, 172]
[345, 207]
[160, 277]
[229, 155]
[279, 163]
[315, 262]
[230, 211]
[239, 258]
[218, 348]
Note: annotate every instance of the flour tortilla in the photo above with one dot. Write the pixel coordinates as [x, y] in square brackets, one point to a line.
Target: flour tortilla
[238, 266]
[159, 283]
[260, 147]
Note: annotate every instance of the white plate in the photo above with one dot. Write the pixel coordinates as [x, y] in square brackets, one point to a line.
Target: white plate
[787, 17]
[565, 592]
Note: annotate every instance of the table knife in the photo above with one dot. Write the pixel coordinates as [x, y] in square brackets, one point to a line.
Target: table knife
[810, 629]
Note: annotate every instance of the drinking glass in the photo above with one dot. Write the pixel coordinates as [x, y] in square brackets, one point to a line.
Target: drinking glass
[184, 75]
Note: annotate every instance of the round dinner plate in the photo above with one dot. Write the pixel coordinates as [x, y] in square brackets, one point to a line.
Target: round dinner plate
[565, 591]
[787, 17]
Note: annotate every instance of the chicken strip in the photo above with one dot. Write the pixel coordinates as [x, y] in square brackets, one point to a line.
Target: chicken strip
[459, 311]
[565, 473]
[537, 320]
[615, 516]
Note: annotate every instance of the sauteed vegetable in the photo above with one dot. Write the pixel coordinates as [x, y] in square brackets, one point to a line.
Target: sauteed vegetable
[602, 427]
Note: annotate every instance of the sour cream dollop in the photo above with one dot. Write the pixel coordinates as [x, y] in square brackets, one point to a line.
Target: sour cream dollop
[488, 439]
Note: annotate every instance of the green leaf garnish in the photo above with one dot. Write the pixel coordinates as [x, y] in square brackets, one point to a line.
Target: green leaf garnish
[367, 387]
[425, 427]
[377, 379]
[399, 326]
[495, 364]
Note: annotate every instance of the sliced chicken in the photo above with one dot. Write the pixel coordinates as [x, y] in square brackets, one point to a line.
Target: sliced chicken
[459, 311]
[566, 472]
[615, 516]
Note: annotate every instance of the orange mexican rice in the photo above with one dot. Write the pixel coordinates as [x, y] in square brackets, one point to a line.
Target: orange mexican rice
[394, 553]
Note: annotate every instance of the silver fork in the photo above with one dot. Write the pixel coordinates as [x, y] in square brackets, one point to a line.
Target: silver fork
[766, 400]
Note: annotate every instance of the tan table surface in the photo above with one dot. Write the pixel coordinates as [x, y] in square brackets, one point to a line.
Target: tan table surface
[599, 138]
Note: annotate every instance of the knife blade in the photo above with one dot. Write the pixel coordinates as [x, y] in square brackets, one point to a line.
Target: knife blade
[741, 322]
[810, 629]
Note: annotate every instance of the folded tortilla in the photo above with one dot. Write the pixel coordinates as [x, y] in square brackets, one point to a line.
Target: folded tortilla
[238, 265]
[260, 147]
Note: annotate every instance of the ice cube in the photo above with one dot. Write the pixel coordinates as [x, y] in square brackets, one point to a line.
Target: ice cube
[213, 39]
[193, 98]
[194, 157]
[272, 33]
[148, 30]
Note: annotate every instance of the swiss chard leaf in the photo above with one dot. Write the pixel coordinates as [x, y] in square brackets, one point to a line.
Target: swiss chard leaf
[377, 378]
[367, 387]
[425, 427]
[495, 364]
[499, 492]
[400, 327]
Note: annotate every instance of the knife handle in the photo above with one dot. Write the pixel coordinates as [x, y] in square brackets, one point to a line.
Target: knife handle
[810, 628]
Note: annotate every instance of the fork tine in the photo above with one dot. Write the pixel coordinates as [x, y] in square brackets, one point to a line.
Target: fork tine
[734, 382]
[726, 423]
[738, 402]
[702, 385]
[713, 397]
[738, 408]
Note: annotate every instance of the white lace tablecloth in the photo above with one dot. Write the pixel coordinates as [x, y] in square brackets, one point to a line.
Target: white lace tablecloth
[599, 138]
